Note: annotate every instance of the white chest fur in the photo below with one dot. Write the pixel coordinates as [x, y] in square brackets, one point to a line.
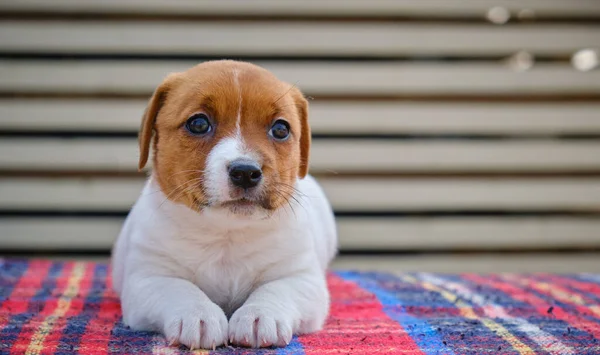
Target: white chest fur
[225, 257]
[174, 265]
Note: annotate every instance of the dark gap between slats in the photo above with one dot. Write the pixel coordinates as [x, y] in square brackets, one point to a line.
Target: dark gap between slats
[52, 253]
[200, 57]
[325, 174]
[474, 251]
[16, 213]
[468, 213]
[471, 251]
[124, 16]
[464, 175]
[459, 137]
[62, 252]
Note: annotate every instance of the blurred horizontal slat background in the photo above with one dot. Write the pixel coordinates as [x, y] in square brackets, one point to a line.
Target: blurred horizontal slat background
[331, 80]
[439, 126]
[374, 9]
[40, 115]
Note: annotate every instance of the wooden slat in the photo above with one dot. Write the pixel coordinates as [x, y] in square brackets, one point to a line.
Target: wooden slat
[468, 233]
[118, 154]
[456, 233]
[322, 39]
[132, 77]
[106, 115]
[35, 234]
[72, 115]
[458, 118]
[389, 155]
[121, 154]
[436, 8]
[94, 194]
[111, 194]
[474, 262]
[466, 194]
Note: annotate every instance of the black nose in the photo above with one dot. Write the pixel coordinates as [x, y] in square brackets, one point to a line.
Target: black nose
[245, 175]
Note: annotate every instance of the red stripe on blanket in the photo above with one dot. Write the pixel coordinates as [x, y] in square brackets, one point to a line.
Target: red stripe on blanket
[540, 304]
[357, 324]
[28, 331]
[98, 332]
[586, 287]
[27, 286]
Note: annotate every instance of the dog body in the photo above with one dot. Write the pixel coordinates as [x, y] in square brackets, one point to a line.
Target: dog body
[230, 238]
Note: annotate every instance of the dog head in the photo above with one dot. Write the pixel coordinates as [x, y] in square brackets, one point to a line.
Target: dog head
[227, 135]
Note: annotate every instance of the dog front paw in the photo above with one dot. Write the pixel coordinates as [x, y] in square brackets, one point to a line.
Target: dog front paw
[259, 327]
[203, 326]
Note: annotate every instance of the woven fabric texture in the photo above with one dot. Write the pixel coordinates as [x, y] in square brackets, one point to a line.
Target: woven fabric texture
[68, 308]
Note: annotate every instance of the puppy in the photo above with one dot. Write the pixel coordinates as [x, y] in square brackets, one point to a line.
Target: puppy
[230, 238]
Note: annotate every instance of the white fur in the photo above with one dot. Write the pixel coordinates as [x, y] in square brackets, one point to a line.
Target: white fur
[216, 174]
[238, 119]
[203, 279]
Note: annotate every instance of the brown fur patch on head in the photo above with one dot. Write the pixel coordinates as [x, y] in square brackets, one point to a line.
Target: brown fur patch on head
[219, 89]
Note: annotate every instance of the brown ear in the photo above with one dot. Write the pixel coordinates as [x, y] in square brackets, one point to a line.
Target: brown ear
[149, 118]
[305, 137]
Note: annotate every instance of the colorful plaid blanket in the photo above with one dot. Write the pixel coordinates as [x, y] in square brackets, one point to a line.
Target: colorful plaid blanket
[68, 307]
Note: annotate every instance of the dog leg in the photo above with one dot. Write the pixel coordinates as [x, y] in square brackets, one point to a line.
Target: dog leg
[278, 309]
[175, 307]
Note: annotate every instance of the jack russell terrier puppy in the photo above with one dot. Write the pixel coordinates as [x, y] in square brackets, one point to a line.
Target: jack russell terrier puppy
[230, 238]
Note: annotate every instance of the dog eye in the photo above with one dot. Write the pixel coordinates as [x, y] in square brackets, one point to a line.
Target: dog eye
[198, 124]
[280, 130]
